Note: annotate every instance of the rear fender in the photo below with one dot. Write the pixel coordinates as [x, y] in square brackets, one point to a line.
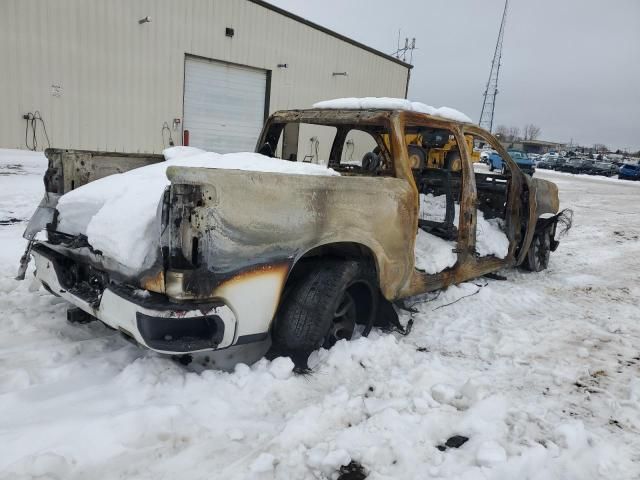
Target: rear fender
[543, 201]
[245, 220]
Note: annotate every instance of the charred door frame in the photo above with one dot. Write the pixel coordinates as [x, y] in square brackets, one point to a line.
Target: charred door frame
[514, 201]
[465, 244]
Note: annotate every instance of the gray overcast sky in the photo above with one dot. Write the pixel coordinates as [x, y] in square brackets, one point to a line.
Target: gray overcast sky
[571, 67]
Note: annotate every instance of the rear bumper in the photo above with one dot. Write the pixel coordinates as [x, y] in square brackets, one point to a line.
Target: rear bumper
[149, 319]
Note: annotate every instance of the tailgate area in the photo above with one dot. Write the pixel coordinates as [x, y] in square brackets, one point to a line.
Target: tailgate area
[149, 319]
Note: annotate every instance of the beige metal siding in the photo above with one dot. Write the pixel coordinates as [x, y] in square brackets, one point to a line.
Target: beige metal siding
[119, 80]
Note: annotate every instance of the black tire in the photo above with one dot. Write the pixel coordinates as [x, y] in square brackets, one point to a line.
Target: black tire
[453, 161]
[370, 162]
[325, 306]
[539, 252]
[417, 157]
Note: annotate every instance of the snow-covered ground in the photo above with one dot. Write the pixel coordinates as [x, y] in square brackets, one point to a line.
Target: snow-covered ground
[541, 372]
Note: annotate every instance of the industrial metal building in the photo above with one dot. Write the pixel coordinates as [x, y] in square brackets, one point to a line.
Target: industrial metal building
[124, 75]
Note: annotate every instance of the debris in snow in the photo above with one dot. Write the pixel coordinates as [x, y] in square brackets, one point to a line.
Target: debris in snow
[490, 453]
[353, 471]
[387, 103]
[453, 442]
[475, 292]
[118, 213]
[495, 276]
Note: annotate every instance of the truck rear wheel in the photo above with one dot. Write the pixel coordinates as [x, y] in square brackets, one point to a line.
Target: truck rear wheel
[333, 301]
[539, 252]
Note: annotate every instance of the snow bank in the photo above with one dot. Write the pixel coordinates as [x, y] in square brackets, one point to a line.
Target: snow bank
[118, 213]
[393, 104]
[21, 171]
[433, 254]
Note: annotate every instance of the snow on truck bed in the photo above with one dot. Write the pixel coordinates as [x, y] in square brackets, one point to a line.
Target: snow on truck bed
[118, 213]
[393, 104]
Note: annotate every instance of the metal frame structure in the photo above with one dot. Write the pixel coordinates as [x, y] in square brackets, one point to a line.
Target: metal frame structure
[491, 90]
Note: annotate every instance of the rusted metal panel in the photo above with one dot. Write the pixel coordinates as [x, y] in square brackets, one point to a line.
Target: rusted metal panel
[70, 169]
[281, 217]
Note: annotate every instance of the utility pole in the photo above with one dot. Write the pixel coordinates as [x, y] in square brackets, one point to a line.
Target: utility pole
[491, 90]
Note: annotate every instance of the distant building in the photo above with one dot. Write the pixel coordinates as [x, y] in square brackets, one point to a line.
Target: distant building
[533, 146]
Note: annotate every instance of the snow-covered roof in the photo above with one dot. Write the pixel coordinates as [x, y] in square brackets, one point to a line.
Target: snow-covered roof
[387, 103]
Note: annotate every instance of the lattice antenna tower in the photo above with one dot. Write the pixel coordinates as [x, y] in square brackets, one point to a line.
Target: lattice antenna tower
[491, 91]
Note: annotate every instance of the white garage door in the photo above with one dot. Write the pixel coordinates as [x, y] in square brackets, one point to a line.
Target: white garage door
[223, 105]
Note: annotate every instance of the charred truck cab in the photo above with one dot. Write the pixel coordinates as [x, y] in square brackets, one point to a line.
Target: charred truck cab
[248, 257]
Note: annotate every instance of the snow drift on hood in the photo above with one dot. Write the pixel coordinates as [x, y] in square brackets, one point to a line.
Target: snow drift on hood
[118, 213]
[393, 104]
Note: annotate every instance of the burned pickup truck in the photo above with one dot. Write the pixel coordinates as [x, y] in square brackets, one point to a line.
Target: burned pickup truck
[242, 257]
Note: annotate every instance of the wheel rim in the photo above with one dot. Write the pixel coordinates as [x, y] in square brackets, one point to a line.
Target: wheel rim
[541, 252]
[343, 322]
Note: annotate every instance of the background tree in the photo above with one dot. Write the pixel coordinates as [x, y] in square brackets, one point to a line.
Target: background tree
[514, 134]
[600, 148]
[502, 131]
[531, 132]
[508, 134]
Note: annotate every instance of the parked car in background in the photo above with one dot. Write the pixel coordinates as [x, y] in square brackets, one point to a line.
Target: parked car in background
[560, 161]
[521, 158]
[548, 163]
[576, 165]
[629, 171]
[484, 155]
[618, 162]
[607, 169]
